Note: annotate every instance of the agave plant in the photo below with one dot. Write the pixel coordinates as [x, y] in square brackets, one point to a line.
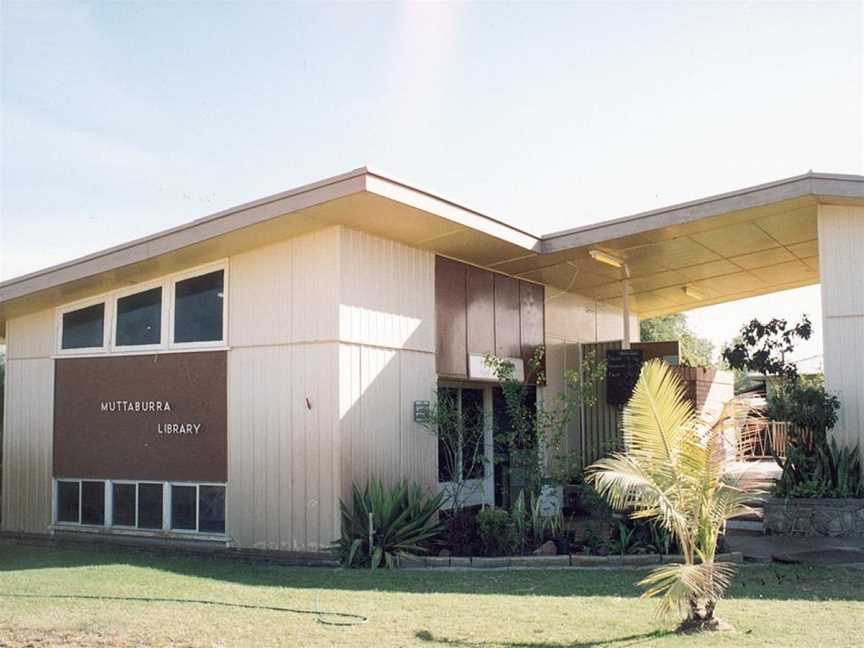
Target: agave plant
[672, 470]
[403, 518]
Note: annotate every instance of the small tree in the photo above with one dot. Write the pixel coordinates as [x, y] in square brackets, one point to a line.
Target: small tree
[672, 470]
[536, 436]
[461, 444]
[763, 348]
[695, 351]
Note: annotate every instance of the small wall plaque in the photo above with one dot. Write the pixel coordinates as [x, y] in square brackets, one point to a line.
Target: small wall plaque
[421, 411]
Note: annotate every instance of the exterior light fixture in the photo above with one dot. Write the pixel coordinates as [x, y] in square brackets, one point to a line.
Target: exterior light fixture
[608, 259]
[692, 292]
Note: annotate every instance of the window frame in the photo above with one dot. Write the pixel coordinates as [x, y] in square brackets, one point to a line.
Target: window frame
[80, 305]
[168, 304]
[172, 485]
[128, 292]
[106, 502]
[167, 490]
[481, 489]
[123, 482]
[172, 306]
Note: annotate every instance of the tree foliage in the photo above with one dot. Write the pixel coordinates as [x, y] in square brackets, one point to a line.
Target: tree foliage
[763, 348]
[695, 351]
[536, 437]
[672, 470]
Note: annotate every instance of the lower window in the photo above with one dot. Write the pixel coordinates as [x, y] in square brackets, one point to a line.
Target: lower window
[141, 505]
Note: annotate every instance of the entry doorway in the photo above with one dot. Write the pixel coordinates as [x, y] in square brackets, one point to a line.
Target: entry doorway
[474, 448]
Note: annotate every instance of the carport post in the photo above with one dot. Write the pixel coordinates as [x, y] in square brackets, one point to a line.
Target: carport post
[841, 261]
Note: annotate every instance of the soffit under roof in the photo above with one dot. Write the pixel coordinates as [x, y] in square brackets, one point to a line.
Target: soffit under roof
[754, 241]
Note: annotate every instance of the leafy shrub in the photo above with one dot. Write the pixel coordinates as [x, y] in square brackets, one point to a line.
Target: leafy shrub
[495, 533]
[463, 533]
[806, 405]
[823, 471]
[403, 519]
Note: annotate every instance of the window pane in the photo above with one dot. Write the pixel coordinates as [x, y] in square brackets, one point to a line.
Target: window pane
[139, 318]
[448, 434]
[83, 328]
[198, 308]
[211, 509]
[67, 502]
[93, 502]
[472, 433]
[183, 507]
[149, 506]
[123, 513]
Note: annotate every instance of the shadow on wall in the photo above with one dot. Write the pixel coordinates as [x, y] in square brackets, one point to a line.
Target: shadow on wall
[775, 582]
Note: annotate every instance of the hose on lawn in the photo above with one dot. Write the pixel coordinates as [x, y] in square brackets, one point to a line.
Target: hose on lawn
[352, 619]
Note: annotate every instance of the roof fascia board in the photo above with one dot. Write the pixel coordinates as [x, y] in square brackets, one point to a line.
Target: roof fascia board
[468, 218]
[187, 234]
[811, 184]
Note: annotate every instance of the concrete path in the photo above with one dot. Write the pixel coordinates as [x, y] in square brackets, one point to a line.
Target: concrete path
[796, 549]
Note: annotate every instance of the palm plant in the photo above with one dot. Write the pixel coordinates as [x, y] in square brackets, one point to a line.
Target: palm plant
[402, 518]
[672, 470]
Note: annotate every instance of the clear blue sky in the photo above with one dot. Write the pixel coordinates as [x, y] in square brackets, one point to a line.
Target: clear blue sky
[125, 118]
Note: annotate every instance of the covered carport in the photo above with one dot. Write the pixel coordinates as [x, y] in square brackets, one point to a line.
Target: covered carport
[786, 234]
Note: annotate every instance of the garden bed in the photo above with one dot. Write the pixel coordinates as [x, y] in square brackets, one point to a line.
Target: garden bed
[836, 518]
[550, 562]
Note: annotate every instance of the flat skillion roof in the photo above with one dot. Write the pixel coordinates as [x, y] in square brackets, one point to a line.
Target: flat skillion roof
[733, 245]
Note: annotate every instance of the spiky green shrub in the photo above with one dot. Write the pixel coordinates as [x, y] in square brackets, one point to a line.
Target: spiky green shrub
[404, 519]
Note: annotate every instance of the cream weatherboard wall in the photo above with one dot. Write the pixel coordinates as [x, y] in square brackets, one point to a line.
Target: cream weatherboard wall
[841, 260]
[282, 395]
[28, 426]
[332, 340]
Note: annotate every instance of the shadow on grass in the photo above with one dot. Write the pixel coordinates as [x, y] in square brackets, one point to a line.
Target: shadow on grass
[629, 640]
[774, 582]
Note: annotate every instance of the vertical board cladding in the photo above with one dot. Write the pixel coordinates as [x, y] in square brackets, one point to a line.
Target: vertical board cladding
[283, 450]
[531, 319]
[316, 405]
[27, 445]
[31, 336]
[283, 426]
[841, 257]
[27, 428]
[508, 343]
[386, 293]
[287, 292]
[480, 310]
[379, 437]
[451, 318]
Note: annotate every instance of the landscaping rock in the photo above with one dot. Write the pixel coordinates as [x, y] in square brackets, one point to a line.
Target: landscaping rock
[548, 548]
[444, 553]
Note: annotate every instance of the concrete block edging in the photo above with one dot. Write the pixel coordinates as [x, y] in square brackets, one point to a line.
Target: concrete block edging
[565, 561]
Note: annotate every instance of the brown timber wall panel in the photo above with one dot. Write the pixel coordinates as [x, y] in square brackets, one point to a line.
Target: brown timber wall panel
[531, 318]
[90, 441]
[508, 343]
[481, 310]
[451, 317]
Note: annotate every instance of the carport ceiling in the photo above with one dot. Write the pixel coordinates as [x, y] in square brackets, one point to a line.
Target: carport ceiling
[722, 258]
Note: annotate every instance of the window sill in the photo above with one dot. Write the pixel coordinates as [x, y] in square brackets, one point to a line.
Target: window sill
[132, 352]
[192, 536]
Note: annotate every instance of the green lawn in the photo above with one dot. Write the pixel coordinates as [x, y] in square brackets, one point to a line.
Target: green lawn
[776, 606]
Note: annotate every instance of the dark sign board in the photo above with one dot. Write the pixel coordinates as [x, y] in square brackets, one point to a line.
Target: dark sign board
[145, 417]
[622, 371]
